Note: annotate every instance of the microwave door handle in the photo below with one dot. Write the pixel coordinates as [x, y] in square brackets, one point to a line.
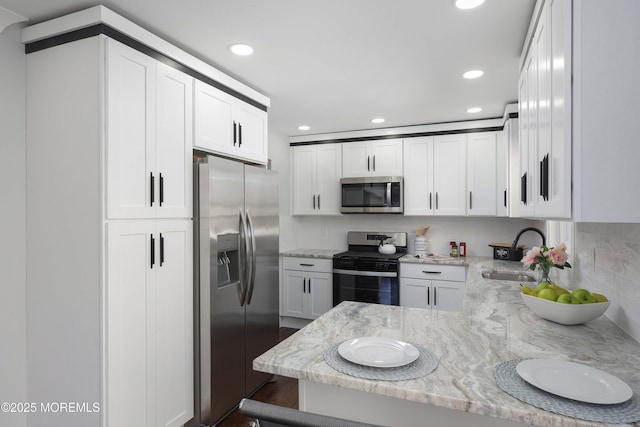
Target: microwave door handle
[388, 194]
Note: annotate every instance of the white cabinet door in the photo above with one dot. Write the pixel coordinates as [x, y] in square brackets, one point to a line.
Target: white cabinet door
[252, 132]
[149, 137]
[447, 296]
[557, 164]
[130, 87]
[174, 142]
[149, 323]
[418, 176]
[502, 169]
[328, 174]
[213, 119]
[315, 179]
[303, 180]
[449, 174]
[294, 295]
[386, 157]
[356, 159]
[228, 126]
[172, 327]
[414, 293]
[372, 158]
[129, 301]
[319, 294]
[481, 174]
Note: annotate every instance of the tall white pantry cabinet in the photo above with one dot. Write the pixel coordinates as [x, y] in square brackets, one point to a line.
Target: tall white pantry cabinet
[109, 236]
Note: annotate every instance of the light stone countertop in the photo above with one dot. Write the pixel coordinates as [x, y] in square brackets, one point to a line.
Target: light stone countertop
[312, 253]
[493, 326]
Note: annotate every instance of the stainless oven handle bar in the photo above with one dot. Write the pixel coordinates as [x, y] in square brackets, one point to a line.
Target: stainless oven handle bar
[366, 273]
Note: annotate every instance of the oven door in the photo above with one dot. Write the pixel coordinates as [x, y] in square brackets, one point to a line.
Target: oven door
[366, 286]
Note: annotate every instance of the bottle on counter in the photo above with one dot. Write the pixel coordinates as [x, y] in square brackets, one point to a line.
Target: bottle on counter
[454, 249]
[463, 249]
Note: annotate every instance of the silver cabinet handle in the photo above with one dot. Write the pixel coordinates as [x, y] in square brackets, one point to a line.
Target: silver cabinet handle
[374, 162]
[307, 265]
[368, 163]
[318, 202]
[470, 199]
[431, 272]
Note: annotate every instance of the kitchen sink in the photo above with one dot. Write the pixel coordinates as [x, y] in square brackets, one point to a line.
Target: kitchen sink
[515, 276]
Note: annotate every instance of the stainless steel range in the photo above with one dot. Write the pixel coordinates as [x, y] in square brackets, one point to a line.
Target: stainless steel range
[363, 273]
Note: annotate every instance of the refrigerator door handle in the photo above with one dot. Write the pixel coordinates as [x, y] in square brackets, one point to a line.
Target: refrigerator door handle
[244, 278]
[252, 259]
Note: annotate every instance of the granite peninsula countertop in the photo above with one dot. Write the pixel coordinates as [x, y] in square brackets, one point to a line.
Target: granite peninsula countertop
[493, 326]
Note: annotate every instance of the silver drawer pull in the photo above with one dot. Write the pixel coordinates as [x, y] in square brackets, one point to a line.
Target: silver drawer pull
[307, 265]
[432, 272]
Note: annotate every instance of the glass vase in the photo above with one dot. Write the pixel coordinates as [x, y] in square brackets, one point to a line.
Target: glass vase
[544, 275]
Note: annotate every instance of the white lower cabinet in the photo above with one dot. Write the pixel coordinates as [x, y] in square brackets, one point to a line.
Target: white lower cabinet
[307, 287]
[149, 320]
[437, 287]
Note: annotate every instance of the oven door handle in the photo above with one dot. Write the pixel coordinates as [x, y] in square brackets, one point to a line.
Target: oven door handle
[365, 273]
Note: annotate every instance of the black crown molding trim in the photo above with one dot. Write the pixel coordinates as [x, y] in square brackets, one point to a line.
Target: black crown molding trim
[399, 135]
[108, 31]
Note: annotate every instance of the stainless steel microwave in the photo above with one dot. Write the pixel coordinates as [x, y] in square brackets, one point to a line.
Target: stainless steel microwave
[382, 194]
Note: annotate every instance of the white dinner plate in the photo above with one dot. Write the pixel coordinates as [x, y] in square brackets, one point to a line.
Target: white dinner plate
[574, 381]
[378, 352]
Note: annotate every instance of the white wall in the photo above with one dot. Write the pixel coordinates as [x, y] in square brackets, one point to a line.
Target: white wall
[12, 225]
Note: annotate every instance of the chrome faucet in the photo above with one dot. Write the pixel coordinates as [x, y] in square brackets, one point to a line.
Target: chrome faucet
[515, 242]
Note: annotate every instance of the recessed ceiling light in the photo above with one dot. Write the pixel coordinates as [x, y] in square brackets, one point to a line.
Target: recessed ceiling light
[473, 110]
[467, 4]
[241, 49]
[304, 127]
[377, 120]
[473, 74]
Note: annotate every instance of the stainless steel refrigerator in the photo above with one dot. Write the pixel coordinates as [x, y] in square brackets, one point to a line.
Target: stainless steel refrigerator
[236, 281]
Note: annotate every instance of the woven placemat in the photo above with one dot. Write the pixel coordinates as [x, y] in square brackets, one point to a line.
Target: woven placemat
[423, 365]
[509, 381]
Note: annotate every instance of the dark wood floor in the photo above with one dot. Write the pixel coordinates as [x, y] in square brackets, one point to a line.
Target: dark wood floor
[282, 392]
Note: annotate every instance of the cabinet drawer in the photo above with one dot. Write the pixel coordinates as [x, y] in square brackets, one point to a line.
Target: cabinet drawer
[456, 273]
[307, 264]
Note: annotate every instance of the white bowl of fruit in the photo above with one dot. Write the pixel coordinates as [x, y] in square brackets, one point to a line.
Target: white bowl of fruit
[562, 306]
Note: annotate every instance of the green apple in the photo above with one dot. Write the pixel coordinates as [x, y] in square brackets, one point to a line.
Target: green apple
[542, 286]
[599, 297]
[564, 298]
[548, 293]
[584, 296]
[574, 300]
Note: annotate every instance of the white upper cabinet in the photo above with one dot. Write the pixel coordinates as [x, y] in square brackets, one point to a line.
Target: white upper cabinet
[435, 175]
[226, 125]
[450, 174]
[149, 139]
[372, 158]
[315, 179]
[545, 121]
[502, 169]
[419, 195]
[481, 174]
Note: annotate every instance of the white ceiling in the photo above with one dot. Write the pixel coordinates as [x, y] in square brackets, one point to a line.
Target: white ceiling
[336, 64]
